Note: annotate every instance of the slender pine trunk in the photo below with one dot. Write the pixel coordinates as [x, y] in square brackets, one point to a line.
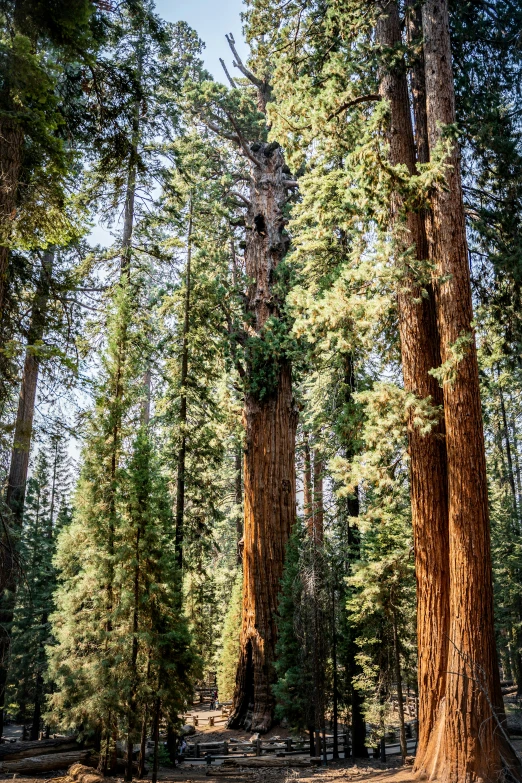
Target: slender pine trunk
[182, 453]
[157, 712]
[398, 680]
[307, 487]
[509, 457]
[318, 505]
[19, 466]
[353, 669]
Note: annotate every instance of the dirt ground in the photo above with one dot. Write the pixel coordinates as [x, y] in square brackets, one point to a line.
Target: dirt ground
[369, 771]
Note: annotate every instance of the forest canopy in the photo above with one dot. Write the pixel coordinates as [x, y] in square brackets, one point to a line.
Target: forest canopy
[270, 431]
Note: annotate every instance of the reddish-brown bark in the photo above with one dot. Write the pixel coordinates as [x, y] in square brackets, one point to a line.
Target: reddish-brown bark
[270, 421]
[420, 353]
[467, 742]
[11, 138]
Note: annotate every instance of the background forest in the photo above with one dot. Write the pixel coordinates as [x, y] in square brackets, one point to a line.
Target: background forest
[138, 381]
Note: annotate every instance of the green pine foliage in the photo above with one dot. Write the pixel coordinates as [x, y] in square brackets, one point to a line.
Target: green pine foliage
[117, 121]
[46, 514]
[229, 653]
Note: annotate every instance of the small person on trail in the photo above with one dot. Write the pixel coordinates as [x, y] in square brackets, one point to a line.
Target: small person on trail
[214, 700]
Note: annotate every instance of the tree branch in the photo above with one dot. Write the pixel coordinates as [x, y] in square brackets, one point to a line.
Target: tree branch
[353, 102]
[221, 132]
[241, 141]
[244, 199]
[230, 79]
[238, 63]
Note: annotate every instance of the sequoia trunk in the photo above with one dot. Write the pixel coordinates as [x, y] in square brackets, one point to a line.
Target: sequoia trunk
[467, 742]
[420, 354]
[270, 421]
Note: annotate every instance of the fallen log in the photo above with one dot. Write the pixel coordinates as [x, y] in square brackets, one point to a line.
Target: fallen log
[82, 774]
[265, 761]
[48, 762]
[36, 747]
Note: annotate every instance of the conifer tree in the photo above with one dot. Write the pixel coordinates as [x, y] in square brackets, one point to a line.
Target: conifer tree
[46, 513]
[230, 642]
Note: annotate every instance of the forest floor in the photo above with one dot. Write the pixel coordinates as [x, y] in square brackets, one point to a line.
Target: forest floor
[349, 771]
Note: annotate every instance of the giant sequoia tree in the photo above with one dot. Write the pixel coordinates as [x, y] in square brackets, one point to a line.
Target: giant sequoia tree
[466, 740]
[270, 421]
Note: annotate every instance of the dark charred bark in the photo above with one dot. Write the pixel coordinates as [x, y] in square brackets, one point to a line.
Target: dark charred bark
[270, 422]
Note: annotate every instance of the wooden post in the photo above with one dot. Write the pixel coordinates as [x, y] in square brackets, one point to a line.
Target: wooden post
[383, 749]
[317, 743]
[325, 756]
[225, 748]
[347, 750]
[196, 750]
[288, 744]
[258, 747]
[311, 739]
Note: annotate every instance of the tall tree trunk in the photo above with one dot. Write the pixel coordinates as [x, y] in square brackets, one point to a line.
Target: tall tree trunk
[270, 422]
[417, 79]
[17, 479]
[11, 140]
[398, 680]
[505, 427]
[353, 669]
[335, 689]
[182, 453]
[239, 502]
[318, 505]
[307, 486]
[420, 354]
[156, 735]
[466, 742]
[37, 709]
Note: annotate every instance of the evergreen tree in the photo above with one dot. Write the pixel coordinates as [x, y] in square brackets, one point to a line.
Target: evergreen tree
[226, 675]
[46, 514]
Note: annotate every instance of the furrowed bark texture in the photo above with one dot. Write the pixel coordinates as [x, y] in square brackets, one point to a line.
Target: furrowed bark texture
[11, 138]
[15, 493]
[269, 464]
[420, 353]
[467, 742]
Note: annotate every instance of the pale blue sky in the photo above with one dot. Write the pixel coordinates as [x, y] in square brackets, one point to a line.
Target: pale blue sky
[211, 19]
